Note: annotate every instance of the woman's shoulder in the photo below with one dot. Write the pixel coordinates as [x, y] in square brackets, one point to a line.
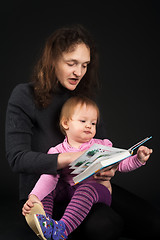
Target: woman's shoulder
[22, 93]
[23, 89]
[22, 97]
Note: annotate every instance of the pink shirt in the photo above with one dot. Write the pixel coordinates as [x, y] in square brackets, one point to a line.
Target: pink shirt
[47, 183]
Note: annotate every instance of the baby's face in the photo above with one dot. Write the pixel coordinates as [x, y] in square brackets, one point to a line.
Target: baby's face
[82, 125]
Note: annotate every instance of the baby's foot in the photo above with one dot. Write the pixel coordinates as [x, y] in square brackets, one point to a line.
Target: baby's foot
[49, 228]
[36, 209]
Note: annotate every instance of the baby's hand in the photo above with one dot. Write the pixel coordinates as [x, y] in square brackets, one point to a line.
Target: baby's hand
[29, 204]
[143, 154]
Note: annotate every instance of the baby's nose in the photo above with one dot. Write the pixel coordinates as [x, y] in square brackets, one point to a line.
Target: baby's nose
[88, 125]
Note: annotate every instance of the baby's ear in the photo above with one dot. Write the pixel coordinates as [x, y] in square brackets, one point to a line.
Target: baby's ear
[65, 124]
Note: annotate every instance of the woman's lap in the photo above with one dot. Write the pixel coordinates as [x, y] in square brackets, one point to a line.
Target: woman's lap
[128, 216]
[101, 223]
[141, 219]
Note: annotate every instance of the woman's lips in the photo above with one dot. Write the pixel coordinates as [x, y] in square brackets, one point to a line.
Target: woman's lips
[73, 81]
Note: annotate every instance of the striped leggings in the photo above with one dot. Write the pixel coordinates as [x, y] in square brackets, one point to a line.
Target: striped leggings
[82, 197]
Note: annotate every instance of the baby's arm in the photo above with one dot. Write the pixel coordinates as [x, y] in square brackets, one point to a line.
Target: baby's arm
[136, 161]
[45, 185]
[143, 154]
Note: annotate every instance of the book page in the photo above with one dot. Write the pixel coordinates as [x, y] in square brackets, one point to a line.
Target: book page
[139, 144]
[94, 154]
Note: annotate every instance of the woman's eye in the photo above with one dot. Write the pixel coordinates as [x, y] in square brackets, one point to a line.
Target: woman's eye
[71, 63]
[84, 66]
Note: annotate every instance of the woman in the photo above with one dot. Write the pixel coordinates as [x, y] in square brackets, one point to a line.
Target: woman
[68, 66]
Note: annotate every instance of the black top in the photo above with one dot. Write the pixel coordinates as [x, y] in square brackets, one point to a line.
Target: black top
[30, 132]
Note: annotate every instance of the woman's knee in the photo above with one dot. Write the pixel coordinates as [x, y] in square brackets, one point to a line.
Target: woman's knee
[102, 223]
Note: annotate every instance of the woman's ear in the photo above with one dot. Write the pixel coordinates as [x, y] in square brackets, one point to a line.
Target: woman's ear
[65, 124]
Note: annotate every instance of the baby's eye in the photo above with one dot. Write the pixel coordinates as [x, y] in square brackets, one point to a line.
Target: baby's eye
[83, 121]
[94, 124]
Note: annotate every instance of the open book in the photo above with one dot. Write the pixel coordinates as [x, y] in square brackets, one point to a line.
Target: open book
[98, 157]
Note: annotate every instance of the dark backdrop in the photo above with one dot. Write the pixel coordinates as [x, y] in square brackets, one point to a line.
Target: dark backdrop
[128, 38]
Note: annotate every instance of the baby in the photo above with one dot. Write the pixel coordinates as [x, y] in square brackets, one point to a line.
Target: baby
[78, 120]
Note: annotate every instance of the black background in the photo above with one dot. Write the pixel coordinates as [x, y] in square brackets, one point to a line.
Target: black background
[127, 34]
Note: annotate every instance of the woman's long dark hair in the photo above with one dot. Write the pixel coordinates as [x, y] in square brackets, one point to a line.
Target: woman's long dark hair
[44, 78]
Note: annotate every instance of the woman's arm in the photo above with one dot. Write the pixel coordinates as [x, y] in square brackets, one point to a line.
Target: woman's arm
[20, 121]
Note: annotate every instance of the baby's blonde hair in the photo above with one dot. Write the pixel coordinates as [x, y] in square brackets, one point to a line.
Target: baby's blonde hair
[69, 107]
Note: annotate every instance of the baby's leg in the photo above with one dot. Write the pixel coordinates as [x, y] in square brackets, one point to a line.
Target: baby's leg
[82, 200]
[48, 204]
[38, 209]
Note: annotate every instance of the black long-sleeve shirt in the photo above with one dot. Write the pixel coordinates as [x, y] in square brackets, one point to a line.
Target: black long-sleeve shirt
[30, 132]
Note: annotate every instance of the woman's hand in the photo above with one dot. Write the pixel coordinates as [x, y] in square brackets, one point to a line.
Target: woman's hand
[64, 159]
[29, 204]
[107, 173]
[143, 154]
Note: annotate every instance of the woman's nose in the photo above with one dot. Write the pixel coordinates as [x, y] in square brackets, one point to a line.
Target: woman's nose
[78, 71]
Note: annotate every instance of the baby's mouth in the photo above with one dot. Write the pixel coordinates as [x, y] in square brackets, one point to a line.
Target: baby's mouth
[87, 132]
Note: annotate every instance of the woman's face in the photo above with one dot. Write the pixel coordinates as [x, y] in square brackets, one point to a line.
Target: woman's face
[71, 66]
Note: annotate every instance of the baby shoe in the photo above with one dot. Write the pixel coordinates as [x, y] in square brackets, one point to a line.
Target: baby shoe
[49, 228]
